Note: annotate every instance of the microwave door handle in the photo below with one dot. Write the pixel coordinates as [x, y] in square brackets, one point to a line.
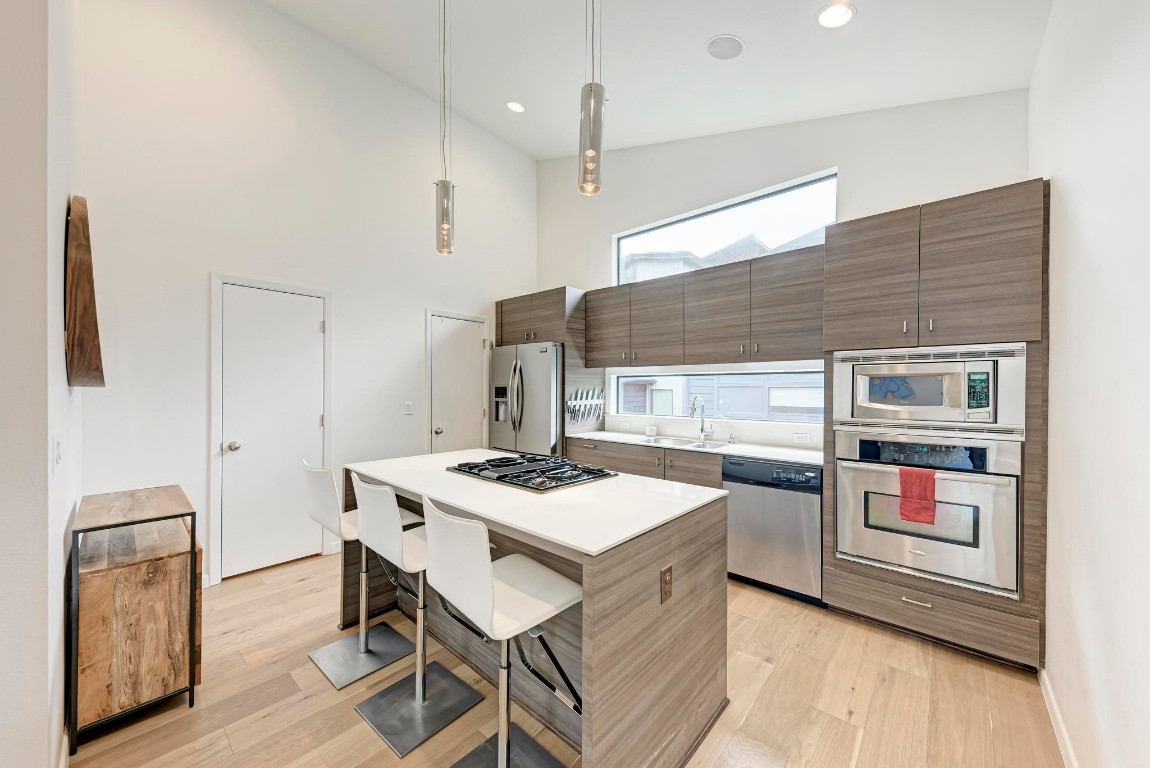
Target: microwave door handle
[958, 477]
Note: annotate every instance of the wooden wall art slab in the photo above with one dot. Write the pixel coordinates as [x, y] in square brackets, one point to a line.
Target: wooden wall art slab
[81, 331]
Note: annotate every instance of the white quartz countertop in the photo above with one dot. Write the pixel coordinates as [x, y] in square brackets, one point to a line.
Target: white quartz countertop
[590, 518]
[812, 456]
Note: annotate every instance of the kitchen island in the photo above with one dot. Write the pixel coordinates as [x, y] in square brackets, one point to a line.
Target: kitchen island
[651, 671]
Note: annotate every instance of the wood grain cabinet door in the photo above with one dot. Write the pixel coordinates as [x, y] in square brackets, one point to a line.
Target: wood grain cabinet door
[787, 305]
[657, 321]
[609, 327]
[870, 282]
[549, 315]
[717, 315]
[643, 460]
[981, 264]
[515, 316]
[694, 467]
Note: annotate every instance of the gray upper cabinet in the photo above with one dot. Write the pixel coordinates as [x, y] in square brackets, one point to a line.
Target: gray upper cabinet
[717, 315]
[515, 319]
[870, 282]
[787, 306]
[981, 265]
[657, 321]
[608, 333]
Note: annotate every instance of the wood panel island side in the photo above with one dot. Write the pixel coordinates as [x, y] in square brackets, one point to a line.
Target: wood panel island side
[652, 673]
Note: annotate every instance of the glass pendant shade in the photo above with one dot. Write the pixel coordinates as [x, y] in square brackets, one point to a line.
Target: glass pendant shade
[444, 217]
[591, 101]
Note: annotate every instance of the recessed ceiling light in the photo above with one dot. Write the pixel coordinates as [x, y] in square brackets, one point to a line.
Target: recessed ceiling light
[515, 106]
[836, 15]
[724, 47]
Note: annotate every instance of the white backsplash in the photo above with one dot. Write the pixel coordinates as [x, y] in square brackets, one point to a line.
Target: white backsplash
[772, 433]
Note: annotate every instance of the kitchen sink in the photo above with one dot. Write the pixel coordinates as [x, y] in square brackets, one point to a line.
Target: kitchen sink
[674, 442]
[704, 446]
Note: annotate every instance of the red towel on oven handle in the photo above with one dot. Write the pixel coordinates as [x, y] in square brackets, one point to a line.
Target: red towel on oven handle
[916, 491]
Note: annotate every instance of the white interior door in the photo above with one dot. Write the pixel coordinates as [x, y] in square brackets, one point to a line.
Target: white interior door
[273, 378]
[457, 384]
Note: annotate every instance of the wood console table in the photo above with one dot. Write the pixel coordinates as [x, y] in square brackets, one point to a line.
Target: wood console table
[133, 605]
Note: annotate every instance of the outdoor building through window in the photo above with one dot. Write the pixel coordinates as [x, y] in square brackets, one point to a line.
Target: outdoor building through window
[777, 221]
[790, 396]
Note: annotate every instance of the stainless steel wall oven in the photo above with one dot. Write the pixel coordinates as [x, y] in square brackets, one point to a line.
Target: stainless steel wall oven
[973, 539]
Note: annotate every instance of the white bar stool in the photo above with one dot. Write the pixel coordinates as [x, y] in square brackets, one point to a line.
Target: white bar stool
[411, 711]
[504, 599]
[352, 657]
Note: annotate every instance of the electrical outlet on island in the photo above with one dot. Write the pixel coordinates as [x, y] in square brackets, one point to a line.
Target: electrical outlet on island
[665, 585]
[802, 437]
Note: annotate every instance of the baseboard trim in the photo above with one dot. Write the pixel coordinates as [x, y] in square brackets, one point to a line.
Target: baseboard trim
[1060, 732]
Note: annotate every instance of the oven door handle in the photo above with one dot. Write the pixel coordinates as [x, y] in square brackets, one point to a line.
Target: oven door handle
[957, 477]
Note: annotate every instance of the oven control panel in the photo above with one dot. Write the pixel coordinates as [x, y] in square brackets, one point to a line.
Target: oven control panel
[950, 457]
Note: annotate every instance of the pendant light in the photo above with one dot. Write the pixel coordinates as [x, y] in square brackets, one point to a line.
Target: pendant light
[444, 189]
[591, 103]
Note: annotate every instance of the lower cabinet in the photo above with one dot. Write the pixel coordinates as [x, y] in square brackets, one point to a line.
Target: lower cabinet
[1011, 637]
[693, 467]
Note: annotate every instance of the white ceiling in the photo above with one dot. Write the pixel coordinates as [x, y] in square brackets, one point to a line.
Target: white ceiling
[661, 84]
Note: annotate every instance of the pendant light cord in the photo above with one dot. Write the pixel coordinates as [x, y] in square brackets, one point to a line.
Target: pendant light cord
[592, 29]
[444, 89]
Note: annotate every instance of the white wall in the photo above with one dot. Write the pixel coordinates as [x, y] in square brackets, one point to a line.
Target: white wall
[886, 159]
[217, 135]
[37, 496]
[1089, 122]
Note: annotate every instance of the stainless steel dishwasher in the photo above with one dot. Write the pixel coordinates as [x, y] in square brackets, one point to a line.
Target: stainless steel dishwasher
[774, 524]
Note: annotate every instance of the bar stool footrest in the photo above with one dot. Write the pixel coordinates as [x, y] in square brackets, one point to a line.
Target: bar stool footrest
[526, 752]
[343, 664]
[404, 724]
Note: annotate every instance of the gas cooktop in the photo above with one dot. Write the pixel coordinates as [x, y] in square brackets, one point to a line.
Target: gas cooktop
[533, 473]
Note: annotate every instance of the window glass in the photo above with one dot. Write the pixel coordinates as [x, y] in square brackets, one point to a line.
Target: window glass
[791, 396]
[783, 220]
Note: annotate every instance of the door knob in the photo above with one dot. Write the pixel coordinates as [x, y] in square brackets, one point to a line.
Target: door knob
[233, 446]
[439, 430]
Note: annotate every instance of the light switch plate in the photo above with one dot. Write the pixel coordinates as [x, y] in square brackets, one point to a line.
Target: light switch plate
[407, 408]
[665, 584]
[802, 437]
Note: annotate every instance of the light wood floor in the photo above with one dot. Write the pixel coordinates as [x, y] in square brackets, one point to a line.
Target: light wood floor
[808, 688]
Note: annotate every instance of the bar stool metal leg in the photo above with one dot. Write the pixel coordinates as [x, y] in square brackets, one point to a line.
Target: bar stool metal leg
[511, 747]
[405, 721]
[354, 657]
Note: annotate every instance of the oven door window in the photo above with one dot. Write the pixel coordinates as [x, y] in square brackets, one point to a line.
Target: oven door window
[910, 391]
[953, 524]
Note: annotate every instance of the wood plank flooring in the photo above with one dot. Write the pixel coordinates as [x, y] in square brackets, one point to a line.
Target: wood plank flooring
[808, 688]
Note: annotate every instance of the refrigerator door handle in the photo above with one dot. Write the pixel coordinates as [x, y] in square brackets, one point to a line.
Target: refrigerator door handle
[519, 397]
[511, 395]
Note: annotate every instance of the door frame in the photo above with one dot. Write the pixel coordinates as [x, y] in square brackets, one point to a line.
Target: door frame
[214, 545]
[427, 356]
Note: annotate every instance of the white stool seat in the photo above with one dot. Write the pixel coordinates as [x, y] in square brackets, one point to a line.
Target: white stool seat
[349, 528]
[527, 594]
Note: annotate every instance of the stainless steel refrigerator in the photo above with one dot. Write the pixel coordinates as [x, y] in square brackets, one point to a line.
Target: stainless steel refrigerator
[527, 398]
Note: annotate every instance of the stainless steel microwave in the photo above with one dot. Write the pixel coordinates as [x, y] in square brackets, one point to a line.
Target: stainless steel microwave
[983, 386]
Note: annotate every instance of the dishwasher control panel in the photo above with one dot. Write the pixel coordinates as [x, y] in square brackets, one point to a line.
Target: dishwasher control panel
[775, 474]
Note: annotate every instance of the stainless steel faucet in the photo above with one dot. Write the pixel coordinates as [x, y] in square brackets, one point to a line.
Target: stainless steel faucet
[704, 433]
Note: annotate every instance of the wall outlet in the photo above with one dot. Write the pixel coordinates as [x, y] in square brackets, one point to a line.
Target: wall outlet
[624, 425]
[665, 585]
[407, 408]
[802, 437]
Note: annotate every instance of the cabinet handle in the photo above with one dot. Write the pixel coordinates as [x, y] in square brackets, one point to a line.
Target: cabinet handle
[932, 325]
[624, 355]
[742, 349]
[533, 335]
[634, 355]
[592, 447]
[756, 348]
[916, 602]
[904, 326]
[526, 336]
[658, 461]
[670, 463]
